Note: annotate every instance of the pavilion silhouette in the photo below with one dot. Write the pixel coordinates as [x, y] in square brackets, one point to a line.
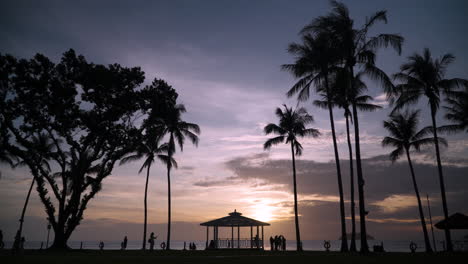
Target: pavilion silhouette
[235, 219]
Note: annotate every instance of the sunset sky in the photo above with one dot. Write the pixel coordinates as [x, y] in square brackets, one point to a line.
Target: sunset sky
[224, 58]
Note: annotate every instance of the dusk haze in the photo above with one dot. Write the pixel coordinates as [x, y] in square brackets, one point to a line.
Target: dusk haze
[233, 131]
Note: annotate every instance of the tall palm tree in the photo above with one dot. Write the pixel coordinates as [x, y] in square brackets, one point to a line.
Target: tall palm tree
[177, 129]
[404, 137]
[150, 150]
[423, 76]
[292, 125]
[457, 110]
[357, 50]
[315, 62]
[343, 98]
[46, 149]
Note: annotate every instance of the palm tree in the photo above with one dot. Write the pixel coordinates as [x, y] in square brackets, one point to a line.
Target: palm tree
[150, 150]
[177, 129]
[314, 63]
[404, 137]
[292, 124]
[357, 50]
[457, 111]
[423, 76]
[45, 148]
[343, 98]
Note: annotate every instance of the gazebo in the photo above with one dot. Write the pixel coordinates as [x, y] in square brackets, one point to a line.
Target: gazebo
[456, 221]
[235, 219]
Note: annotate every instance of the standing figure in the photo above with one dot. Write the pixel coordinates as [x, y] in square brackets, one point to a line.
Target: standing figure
[271, 243]
[23, 241]
[151, 240]
[101, 245]
[2, 244]
[283, 243]
[125, 241]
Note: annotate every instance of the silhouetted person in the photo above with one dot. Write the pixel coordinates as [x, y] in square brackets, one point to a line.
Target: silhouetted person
[257, 240]
[194, 246]
[283, 243]
[16, 243]
[271, 242]
[276, 242]
[101, 245]
[124, 243]
[151, 241]
[2, 244]
[23, 241]
[212, 244]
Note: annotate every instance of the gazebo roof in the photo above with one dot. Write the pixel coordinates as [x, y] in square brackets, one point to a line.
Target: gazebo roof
[455, 221]
[234, 219]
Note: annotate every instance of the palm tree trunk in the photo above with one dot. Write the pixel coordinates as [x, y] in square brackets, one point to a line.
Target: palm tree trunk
[421, 213]
[352, 247]
[362, 209]
[168, 243]
[146, 207]
[20, 230]
[344, 239]
[441, 179]
[296, 217]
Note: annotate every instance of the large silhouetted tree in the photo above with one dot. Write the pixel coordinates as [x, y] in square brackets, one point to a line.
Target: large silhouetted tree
[424, 76]
[292, 126]
[404, 136]
[88, 112]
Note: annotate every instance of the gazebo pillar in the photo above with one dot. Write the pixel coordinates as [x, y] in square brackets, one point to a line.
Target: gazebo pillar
[232, 236]
[207, 236]
[257, 238]
[262, 239]
[238, 236]
[251, 236]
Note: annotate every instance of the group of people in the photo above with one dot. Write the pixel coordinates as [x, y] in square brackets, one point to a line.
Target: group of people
[192, 246]
[278, 243]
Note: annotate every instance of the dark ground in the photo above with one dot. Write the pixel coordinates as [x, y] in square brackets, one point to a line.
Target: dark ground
[179, 256]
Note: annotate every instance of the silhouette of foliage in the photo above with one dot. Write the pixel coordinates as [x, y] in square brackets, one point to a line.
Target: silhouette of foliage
[87, 110]
[292, 125]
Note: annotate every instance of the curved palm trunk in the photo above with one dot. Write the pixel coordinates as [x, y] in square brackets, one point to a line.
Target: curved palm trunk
[296, 217]
[20, 229]
[421, 213]
[344, 238]
[146, 207]
[360, 178]
[441, 179]
[168, 242]
[352, 247]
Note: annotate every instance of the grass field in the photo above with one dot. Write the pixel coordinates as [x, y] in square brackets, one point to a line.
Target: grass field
[178, 256]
